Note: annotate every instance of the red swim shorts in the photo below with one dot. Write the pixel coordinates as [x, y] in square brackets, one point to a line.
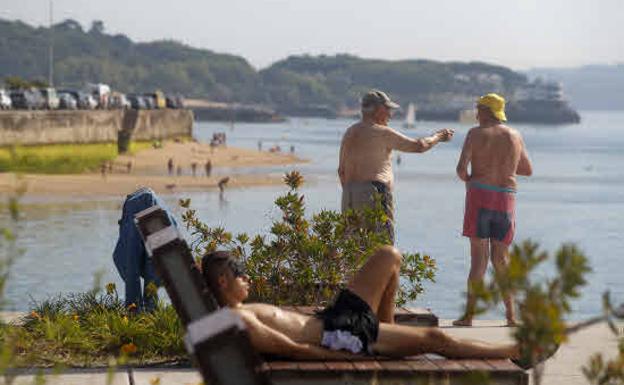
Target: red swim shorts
[490, 213]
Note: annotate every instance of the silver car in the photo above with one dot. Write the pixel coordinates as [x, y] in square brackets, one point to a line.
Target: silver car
[5, 100]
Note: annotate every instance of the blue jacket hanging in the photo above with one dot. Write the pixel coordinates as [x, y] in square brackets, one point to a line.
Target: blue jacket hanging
[130, 256]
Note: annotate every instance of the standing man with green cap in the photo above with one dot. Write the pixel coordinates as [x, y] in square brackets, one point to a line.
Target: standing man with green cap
[496, 154]
[365, 167]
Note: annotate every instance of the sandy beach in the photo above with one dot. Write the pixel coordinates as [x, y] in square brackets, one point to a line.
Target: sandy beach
[149, 168]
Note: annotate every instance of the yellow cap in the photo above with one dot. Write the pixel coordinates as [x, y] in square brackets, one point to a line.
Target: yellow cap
[496, 104]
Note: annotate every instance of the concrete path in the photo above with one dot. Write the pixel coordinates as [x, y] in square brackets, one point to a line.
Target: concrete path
[563, 368]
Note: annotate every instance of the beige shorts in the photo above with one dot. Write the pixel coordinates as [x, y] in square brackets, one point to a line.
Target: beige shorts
[356, 195]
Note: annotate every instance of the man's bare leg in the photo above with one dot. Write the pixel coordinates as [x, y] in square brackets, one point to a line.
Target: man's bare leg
[377, 282]
[403, 341]
[500, 260]
[479, 255]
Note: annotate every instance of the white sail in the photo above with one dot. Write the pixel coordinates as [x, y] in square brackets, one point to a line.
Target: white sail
[410, 116]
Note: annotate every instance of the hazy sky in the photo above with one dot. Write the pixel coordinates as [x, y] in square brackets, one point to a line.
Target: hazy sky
[516, 33]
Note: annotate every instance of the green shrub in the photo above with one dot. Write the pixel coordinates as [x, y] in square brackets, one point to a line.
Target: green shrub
[303, 261]
[544, 303]
[60, 158]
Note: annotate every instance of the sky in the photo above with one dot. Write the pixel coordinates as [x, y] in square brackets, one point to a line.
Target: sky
[520, 34]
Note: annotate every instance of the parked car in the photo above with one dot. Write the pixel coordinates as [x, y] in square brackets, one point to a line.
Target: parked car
[118, 100]
[50, 98]
[175, 101]
[84, 101]
[29, 99]
[150, 102]
[5, 100]
[67, 101]
[100, 92]
[136, 102]
[158, 99]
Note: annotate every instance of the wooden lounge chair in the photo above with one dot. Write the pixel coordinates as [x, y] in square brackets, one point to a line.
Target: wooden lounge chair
[221, 347]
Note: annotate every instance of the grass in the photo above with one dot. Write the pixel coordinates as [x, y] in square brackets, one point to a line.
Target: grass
[88, 329]
[61, 158]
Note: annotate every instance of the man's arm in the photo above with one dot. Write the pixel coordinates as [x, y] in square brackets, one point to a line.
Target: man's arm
[341, 165]
[464, 158]
[404, 143]
[524, 165]
[271, 341]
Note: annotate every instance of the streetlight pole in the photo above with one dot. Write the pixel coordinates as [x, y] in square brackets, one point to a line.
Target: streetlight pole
[51, 52]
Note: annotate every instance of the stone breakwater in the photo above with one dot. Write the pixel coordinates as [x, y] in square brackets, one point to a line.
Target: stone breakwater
[92, 126]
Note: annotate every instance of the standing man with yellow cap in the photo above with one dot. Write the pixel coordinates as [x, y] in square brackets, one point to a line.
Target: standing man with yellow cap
[365, 167]
[496, 154]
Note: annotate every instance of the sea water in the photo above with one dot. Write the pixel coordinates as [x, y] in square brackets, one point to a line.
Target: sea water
[576, 194]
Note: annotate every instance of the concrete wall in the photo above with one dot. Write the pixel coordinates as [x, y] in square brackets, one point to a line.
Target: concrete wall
[61, 126]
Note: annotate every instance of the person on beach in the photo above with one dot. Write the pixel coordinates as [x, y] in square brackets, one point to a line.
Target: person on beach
[359, 322]
[365, 165]
[496, 154]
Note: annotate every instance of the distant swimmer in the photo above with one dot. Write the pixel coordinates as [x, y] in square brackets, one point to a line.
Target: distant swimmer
[208, 168]
[365, 167]
[170, 166]
[496, 154]
[222, 183]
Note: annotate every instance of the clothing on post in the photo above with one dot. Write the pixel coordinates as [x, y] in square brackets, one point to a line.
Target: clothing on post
[130, 257]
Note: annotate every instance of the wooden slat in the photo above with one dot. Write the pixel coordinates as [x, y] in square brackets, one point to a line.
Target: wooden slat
[447, 365]
[340, 366]
[503, 365]
[415, 317]
[476, 365]
[277, 366]
[366, 366]
[312, 366]
[421, 363]
[395, 366]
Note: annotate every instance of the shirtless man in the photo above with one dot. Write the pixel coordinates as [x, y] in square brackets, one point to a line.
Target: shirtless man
[360, 321]
[365, 165]
[496, 154]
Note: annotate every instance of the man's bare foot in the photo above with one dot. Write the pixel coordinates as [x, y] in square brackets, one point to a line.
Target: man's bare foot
[463, 322]
[511, 322]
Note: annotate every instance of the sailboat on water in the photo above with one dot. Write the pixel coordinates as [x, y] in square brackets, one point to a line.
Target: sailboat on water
[410, 116]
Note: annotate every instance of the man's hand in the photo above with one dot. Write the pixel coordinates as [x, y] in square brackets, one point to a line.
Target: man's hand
[445, 134]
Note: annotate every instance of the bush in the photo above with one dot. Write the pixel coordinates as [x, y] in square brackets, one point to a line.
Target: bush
[60, 158]
[303, 261]
[543, 304]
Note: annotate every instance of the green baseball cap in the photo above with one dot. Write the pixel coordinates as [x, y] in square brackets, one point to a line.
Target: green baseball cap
[378, 98]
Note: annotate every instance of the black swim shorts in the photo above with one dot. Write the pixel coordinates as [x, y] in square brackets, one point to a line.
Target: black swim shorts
[349, 324]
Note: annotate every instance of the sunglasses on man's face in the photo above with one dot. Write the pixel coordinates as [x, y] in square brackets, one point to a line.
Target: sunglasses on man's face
[238, 270]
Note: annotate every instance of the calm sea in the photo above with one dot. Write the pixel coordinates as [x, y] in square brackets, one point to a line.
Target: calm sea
[575, 195]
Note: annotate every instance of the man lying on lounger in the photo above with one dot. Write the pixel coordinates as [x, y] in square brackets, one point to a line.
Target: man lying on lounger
[360, 321]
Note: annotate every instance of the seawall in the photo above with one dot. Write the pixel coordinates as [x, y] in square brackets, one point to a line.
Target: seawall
[92, 126]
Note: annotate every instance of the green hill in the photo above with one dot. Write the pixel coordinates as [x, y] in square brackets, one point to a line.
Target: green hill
[340, 80]
[293, 85]
[94, 56]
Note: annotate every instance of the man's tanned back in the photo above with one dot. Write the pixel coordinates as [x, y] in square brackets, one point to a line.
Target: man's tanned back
[496, 154]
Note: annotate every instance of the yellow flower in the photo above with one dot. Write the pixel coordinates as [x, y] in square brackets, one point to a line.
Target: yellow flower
[76, 318]
[155, 381]
[128, 348]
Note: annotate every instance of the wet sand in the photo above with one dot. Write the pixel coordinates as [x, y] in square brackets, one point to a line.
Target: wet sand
[149, 168]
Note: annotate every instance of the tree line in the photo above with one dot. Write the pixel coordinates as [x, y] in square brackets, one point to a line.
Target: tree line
[92, 55]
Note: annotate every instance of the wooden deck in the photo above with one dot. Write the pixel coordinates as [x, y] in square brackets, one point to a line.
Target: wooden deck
[421, 370]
